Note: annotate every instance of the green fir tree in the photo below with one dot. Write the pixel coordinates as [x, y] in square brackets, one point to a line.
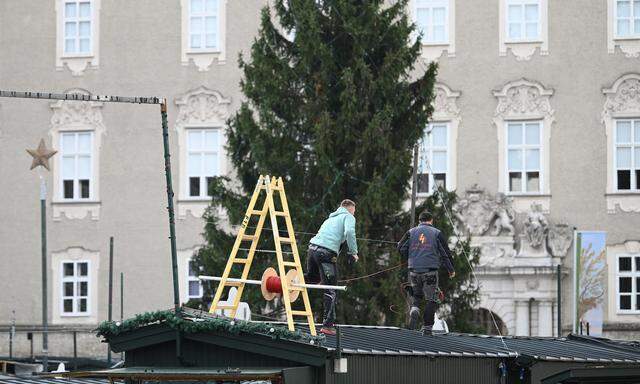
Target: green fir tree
[335, 111]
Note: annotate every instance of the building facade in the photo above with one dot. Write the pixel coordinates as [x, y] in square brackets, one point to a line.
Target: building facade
[537, 117]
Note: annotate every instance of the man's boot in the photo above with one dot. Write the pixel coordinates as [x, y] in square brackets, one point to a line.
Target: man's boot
[414, 317]
[328, 330]
[426, 330]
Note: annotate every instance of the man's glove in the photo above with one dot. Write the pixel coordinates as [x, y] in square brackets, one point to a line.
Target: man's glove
[353, 258]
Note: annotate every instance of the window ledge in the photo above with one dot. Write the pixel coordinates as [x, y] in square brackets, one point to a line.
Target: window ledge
[196, 207]
[67, 315]
[517, 42]
[623, 202]
[78, 56]
[523, 202]
[204, 52]
[627, 312]
[626, 38]
[204, 59]
[436, 44]
[75, 210]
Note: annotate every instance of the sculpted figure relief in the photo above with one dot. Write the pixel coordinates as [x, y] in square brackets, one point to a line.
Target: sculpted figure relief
[504, 215]
[475, 211]
[536, 226]
[560, 238]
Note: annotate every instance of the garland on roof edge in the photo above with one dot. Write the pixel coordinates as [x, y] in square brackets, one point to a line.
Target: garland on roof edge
[108, 329]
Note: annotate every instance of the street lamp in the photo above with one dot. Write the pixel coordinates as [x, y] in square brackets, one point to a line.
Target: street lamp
[41, 156]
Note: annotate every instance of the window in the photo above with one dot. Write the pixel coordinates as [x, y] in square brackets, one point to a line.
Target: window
[432, 20]
[202, 160]
[75, 288]
[627, 18]
[77, 27]
[523, 156]
[433, 161]
[627, 155]
[523, 20]
[195, 285]
[203, 25]
[628, 283]
[76, 152]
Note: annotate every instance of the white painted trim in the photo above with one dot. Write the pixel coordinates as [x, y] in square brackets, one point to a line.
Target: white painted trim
[630, 46]
[203, 58]
[524, 100]
[622, 101]
[432, 51]
[184, 256]
[76, 116]
[77, 64]
[75, 254]
[523, 50]
[629, 248]
[199, 108]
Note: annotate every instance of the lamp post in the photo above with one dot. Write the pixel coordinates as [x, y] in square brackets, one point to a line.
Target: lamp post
[41, 156]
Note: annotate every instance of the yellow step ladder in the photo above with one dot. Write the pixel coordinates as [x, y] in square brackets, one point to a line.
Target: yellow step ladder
[270, 186]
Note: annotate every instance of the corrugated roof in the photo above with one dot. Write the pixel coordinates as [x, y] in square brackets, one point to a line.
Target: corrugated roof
[398, 341]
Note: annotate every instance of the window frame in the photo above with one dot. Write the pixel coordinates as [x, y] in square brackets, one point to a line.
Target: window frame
[447, 19]
[634, 274]
[75, 280]
[76, 155]
[203, 35]
[524, 147]
[634, 34]
[193, 278]
[633, 144]
[77, 20]
[429, 156]
[204, 191]
[523, 23]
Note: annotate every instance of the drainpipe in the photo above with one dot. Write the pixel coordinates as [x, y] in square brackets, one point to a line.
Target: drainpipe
[531, 301]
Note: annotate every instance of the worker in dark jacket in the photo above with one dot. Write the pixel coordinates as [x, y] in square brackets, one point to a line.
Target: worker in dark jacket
[426, 249]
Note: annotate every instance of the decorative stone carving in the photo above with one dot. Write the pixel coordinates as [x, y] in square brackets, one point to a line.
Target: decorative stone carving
[623, 97]
[523, 98]
[536, 226]
[77, 112]
[475, 211]
[444, 104]
[504, 215]
[202, 106]
[495, 251]
[559, 239]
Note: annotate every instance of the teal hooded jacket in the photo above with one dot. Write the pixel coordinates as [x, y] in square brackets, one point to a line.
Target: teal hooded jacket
[339, 227]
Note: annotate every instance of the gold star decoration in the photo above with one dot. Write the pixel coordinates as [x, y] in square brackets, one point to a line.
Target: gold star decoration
[41, 155]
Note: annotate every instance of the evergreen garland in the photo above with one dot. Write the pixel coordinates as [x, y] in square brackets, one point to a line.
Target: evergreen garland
[110, 329]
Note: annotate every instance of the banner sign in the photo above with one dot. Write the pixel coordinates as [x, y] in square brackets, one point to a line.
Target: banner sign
[590, 279]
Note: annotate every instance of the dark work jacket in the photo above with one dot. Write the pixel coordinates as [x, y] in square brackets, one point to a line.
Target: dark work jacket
[425, 248]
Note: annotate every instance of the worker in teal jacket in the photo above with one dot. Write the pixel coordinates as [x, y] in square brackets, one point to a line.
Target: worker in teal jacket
[323, 255]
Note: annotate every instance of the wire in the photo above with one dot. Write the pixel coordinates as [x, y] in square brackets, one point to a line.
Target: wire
[372, 274]
[464, 252]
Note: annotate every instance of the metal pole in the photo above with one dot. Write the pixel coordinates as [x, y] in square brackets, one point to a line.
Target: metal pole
[259, 282]
[172, 223]
[121, 304]
[12, 333]
[576, 281]
[75, 350]
[559, 293]
[30, 337]
[110, 294]
[414, 186]
[43, 232]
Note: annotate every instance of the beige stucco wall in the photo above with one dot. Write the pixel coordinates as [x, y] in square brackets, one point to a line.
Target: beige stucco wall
[140, 54]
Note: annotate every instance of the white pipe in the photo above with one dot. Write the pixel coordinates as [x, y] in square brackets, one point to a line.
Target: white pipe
[258, 282]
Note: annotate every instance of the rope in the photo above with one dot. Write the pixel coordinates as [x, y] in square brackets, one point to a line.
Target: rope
[372, 274]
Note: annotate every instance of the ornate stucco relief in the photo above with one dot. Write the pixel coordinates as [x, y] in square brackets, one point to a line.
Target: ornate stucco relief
[622, 100]
[76, 116]
[525, 100]
[198, 108]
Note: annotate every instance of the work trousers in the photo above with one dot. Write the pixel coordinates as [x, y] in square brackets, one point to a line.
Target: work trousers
[321, 267]
[425, 287]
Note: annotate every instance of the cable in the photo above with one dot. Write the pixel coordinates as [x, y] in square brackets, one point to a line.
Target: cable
[464, 252]
[372, 274]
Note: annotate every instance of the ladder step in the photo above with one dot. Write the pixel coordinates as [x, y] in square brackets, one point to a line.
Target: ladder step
[296, 289]
[286, 240]
[255, 212]
[241, 261]
[233, 284]
[300, 313]
[225, 307]
[248, 237]
[289, 263]
[280, 213]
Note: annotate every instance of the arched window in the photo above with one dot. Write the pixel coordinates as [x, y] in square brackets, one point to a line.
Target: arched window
[489, 324]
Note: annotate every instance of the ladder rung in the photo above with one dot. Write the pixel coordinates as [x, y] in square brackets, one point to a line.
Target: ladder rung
[233, 284]
[280, 213]
[296, 289]
[289, 263]
[300, 313]
[255, 212]
[248, 237]
[225, 307]
[241, 261]
[286, 240]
